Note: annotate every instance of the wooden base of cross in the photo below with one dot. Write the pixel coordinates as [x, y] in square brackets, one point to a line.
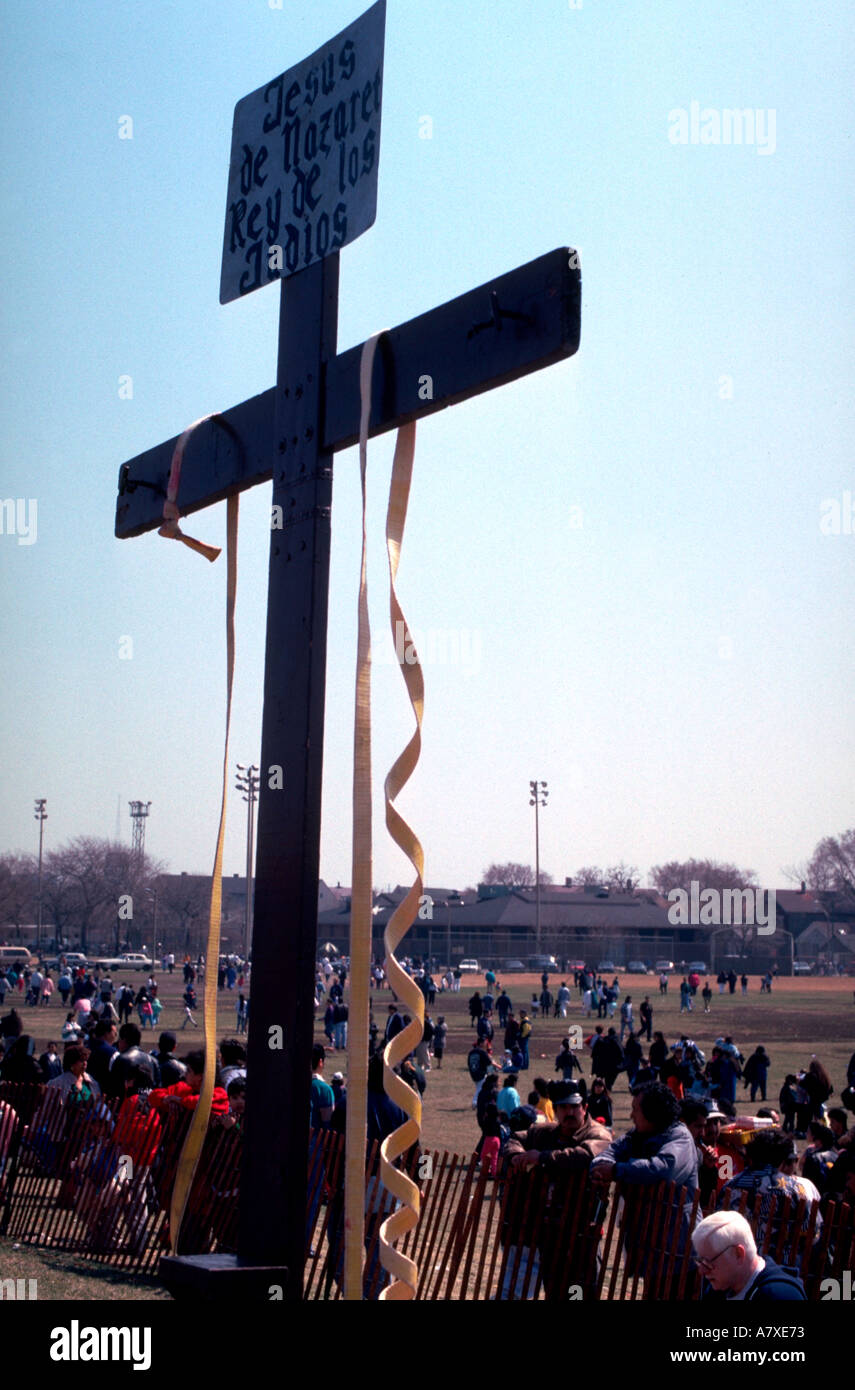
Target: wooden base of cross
[210, 1278]
[518, 323]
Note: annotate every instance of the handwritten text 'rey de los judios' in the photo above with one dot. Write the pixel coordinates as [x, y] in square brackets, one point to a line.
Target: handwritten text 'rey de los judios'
[321, 131]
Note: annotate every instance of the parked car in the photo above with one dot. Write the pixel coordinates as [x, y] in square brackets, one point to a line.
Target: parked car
[73, 959]
[467, 966]
[542, 963]
[637, 967]
[663, 965]
[700, 966]
[802, 967]
[509, 965]
[133, 961]
[607, 967]
[575, 965]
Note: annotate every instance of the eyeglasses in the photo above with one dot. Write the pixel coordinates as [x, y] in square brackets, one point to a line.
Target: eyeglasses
[708, 1264]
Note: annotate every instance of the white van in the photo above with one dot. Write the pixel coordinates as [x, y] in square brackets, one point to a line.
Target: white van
[14, 955]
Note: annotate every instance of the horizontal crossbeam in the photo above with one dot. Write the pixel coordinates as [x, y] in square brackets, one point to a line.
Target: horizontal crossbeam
[508, 327]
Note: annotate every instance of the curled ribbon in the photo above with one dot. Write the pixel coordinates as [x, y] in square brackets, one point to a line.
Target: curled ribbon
[171, 515]
[403, 1270]
[360, 892]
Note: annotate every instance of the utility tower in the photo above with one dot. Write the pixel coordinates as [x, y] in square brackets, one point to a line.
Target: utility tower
[139, 811]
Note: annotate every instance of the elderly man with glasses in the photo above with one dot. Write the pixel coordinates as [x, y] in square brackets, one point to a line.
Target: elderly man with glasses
[726, 1254]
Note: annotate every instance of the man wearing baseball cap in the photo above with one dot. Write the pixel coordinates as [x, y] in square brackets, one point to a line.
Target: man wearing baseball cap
[566, 1146]
[703, 1120]
[564, 1241]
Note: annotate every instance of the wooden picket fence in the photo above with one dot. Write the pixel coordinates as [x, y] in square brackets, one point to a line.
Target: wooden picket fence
[65, 1186]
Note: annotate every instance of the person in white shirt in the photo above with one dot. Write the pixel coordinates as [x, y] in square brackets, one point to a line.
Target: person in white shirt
[71, 1030]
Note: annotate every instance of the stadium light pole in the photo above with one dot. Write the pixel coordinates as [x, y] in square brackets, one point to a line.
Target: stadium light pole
[713, 935]
[539, 793]
[789, 935]
[41, 816]
[247, 783]
[152, 893]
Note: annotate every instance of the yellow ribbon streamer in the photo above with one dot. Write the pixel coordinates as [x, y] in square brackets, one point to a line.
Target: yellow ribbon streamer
[403, 1269]
[192, 1148]
[360, 892]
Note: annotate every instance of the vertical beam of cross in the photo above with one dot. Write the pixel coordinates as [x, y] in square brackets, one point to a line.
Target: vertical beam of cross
[272, 1227]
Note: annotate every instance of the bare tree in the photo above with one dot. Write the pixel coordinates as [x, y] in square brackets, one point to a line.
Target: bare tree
[58, 901]
[707, 873]
[514, 875]
[130, 881]
[185, 900]
[832, 865]
[18, 888]
[622, 878]
[589, 876]
[829, 871]
[92, 887]
[73, 876]
[797, 873]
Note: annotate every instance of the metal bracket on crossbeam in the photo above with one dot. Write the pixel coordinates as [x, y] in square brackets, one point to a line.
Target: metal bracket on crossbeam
[128, 484]
[497, 313]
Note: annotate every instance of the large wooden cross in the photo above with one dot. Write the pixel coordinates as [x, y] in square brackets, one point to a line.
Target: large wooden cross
[522, 321]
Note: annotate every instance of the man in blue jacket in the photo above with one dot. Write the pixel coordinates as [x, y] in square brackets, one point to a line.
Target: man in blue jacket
[658, 1149]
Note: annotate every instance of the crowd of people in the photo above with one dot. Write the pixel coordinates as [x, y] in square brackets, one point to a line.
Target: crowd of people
[109, 1181]
[564, 1127]
[91, 992]
[684, 1125]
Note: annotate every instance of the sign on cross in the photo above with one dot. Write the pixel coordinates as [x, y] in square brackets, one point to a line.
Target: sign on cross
[305, 150]
[507, 327]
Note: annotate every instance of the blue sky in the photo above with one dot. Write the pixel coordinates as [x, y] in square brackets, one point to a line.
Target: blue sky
[624, 551]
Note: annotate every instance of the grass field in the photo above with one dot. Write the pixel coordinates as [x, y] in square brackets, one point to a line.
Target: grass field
[800, 1018]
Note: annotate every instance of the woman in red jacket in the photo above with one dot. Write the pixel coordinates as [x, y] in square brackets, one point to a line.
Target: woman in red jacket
[203, 1202]
[184, 1095]
[122, 1185]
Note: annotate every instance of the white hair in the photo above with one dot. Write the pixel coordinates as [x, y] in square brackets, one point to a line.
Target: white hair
[726, 1228]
